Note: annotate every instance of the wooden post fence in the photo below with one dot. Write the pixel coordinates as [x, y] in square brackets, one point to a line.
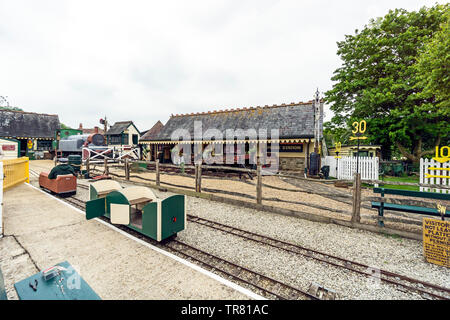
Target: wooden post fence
[157, 172]
[106, 167]
[127, 169]
[88, 168]
[356, 208]
[198, 178]
[259, 184]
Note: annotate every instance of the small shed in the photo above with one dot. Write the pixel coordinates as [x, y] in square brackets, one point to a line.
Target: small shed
[351, 150]
[123, 133]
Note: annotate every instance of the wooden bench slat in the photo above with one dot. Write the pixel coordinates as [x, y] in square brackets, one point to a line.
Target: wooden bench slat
[139, 201]
[412, 209]
[410, 193]
[382, 205]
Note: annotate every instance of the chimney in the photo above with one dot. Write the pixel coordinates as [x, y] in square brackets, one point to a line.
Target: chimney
[95, 129]
[80, 127]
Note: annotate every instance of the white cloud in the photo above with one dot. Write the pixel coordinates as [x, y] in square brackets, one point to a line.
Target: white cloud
[143, 60]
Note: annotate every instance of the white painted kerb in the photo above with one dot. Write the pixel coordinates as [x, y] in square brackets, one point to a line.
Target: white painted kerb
[168, 254]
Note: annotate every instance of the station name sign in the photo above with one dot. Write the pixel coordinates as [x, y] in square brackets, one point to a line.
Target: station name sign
[292, 147]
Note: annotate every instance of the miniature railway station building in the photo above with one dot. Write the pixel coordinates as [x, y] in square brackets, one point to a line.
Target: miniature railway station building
[31, 133]
[295, 121]
[149, 135]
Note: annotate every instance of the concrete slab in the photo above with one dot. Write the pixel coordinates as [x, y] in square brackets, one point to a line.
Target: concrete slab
[43, 231]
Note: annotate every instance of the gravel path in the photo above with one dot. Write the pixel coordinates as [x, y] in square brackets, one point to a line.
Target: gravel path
[394, 254]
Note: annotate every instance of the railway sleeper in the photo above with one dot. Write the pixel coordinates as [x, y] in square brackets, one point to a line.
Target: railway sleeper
[321, 292]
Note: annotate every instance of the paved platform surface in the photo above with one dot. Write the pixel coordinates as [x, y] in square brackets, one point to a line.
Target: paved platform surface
[41, 231]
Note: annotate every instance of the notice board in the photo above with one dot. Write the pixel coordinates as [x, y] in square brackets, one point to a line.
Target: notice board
[436, 241]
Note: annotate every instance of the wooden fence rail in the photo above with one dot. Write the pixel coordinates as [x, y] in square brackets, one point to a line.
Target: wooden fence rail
[355, 200]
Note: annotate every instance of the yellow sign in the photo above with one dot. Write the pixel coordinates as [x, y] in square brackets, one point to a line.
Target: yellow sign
[440, 156]
[441, 209]
[436, 241]
[427, 175]
[360, 127]
[338, 146]
[30, 144]
[435, 168]
[358, 138]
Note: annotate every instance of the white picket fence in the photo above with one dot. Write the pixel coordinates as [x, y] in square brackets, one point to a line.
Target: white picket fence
[345, 167]
[425, 165]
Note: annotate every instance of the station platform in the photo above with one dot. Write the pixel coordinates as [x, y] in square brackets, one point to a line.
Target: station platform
[41, 231]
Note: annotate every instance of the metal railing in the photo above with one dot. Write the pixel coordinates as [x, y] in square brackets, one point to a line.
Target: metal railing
[15, 171]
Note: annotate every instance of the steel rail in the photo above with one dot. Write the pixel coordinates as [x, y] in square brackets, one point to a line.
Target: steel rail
[309, 253]
[239, 276]
[78, 203]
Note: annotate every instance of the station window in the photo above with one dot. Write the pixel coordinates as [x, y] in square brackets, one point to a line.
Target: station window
[114, 139]
[44, 145]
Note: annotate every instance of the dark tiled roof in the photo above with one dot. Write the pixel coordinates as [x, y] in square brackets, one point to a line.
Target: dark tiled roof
[295, 120]
[28, 124]
[153, 132]
[118, 127]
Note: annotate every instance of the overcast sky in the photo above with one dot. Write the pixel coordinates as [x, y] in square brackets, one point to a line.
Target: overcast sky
[145, 60]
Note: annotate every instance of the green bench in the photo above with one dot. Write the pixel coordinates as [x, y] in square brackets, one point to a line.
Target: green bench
[381, 206]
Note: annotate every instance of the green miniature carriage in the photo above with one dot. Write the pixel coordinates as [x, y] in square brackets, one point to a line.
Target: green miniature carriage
[138, 208]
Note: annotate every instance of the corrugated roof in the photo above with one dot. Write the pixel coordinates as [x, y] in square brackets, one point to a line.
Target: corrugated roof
[294, 120]
[153, 132]
[28, 124]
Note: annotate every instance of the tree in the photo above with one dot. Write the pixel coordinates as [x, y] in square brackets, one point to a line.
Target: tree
[11, 108]
[63, 126]
[379, 82]
[433, 68]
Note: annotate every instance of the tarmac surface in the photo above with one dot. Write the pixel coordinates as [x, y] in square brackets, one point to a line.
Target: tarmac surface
[41, 231]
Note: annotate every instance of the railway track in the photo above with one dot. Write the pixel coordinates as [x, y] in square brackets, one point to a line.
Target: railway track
[270, 286]
[267, 286]
[426, 289]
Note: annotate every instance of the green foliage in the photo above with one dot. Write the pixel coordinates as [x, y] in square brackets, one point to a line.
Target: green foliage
[434, 69]
[333, 134]
[63, 126]
[379, 82]
[11, 108]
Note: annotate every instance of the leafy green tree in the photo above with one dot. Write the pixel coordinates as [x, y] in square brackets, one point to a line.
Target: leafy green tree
[63, 126]
[434, 72]
[379, 82]
[11, 108]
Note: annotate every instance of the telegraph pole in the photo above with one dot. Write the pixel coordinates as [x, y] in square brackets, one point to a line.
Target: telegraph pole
[317, 115]
[105, 128]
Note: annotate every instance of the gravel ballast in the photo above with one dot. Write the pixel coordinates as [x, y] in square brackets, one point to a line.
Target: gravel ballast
[395, 254]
